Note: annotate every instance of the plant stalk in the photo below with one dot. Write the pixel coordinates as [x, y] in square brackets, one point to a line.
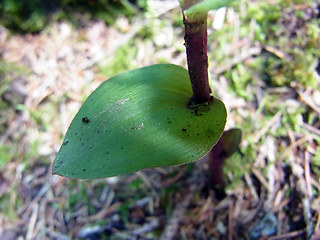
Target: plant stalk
[197, 58]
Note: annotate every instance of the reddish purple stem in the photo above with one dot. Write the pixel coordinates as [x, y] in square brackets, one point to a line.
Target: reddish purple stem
[197, 58]
[216, 158]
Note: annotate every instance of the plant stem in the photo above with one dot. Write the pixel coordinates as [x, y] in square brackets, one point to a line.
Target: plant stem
[197, 58]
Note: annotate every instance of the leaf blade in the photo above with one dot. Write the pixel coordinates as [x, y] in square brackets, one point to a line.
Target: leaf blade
[205, 6]
[136, 120]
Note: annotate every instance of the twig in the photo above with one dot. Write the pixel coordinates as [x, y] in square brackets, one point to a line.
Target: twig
[173, 224]
[177, 214]
[230, 222]
[237, 59]
[148, 227]
[311, 128]
[107, 209]
[262, 180]
[56, 235]
[32, 223]
[308, 194]
[301, 186]
[276, 52]
[317, 225]
[269, 124]
[287, 152]
[315, 183]
[251, 187]
[249, 218]
[144, 178]
[307, 172]
[288, 235]
[307, 100]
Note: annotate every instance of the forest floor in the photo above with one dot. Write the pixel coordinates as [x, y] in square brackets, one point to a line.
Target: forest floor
[266, 73]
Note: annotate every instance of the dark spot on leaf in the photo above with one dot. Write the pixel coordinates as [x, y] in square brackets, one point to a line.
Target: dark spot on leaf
[85, 120]
[183, 130]
[121, 147]
[98, 131]
[90, 146]
[65, 142]
[83, 169]
[169, 122]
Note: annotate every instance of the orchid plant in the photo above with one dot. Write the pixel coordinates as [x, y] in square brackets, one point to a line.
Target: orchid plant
[159, 115]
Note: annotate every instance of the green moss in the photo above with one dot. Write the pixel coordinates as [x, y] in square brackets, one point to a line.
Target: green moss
[237, 166]
[123, 60]
[6, 155]
[10, 203]
[315, 162]
[290, 53]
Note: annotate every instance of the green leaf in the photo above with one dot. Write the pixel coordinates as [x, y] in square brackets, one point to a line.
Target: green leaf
[231, 140]
[204, 6]
[139, 119]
